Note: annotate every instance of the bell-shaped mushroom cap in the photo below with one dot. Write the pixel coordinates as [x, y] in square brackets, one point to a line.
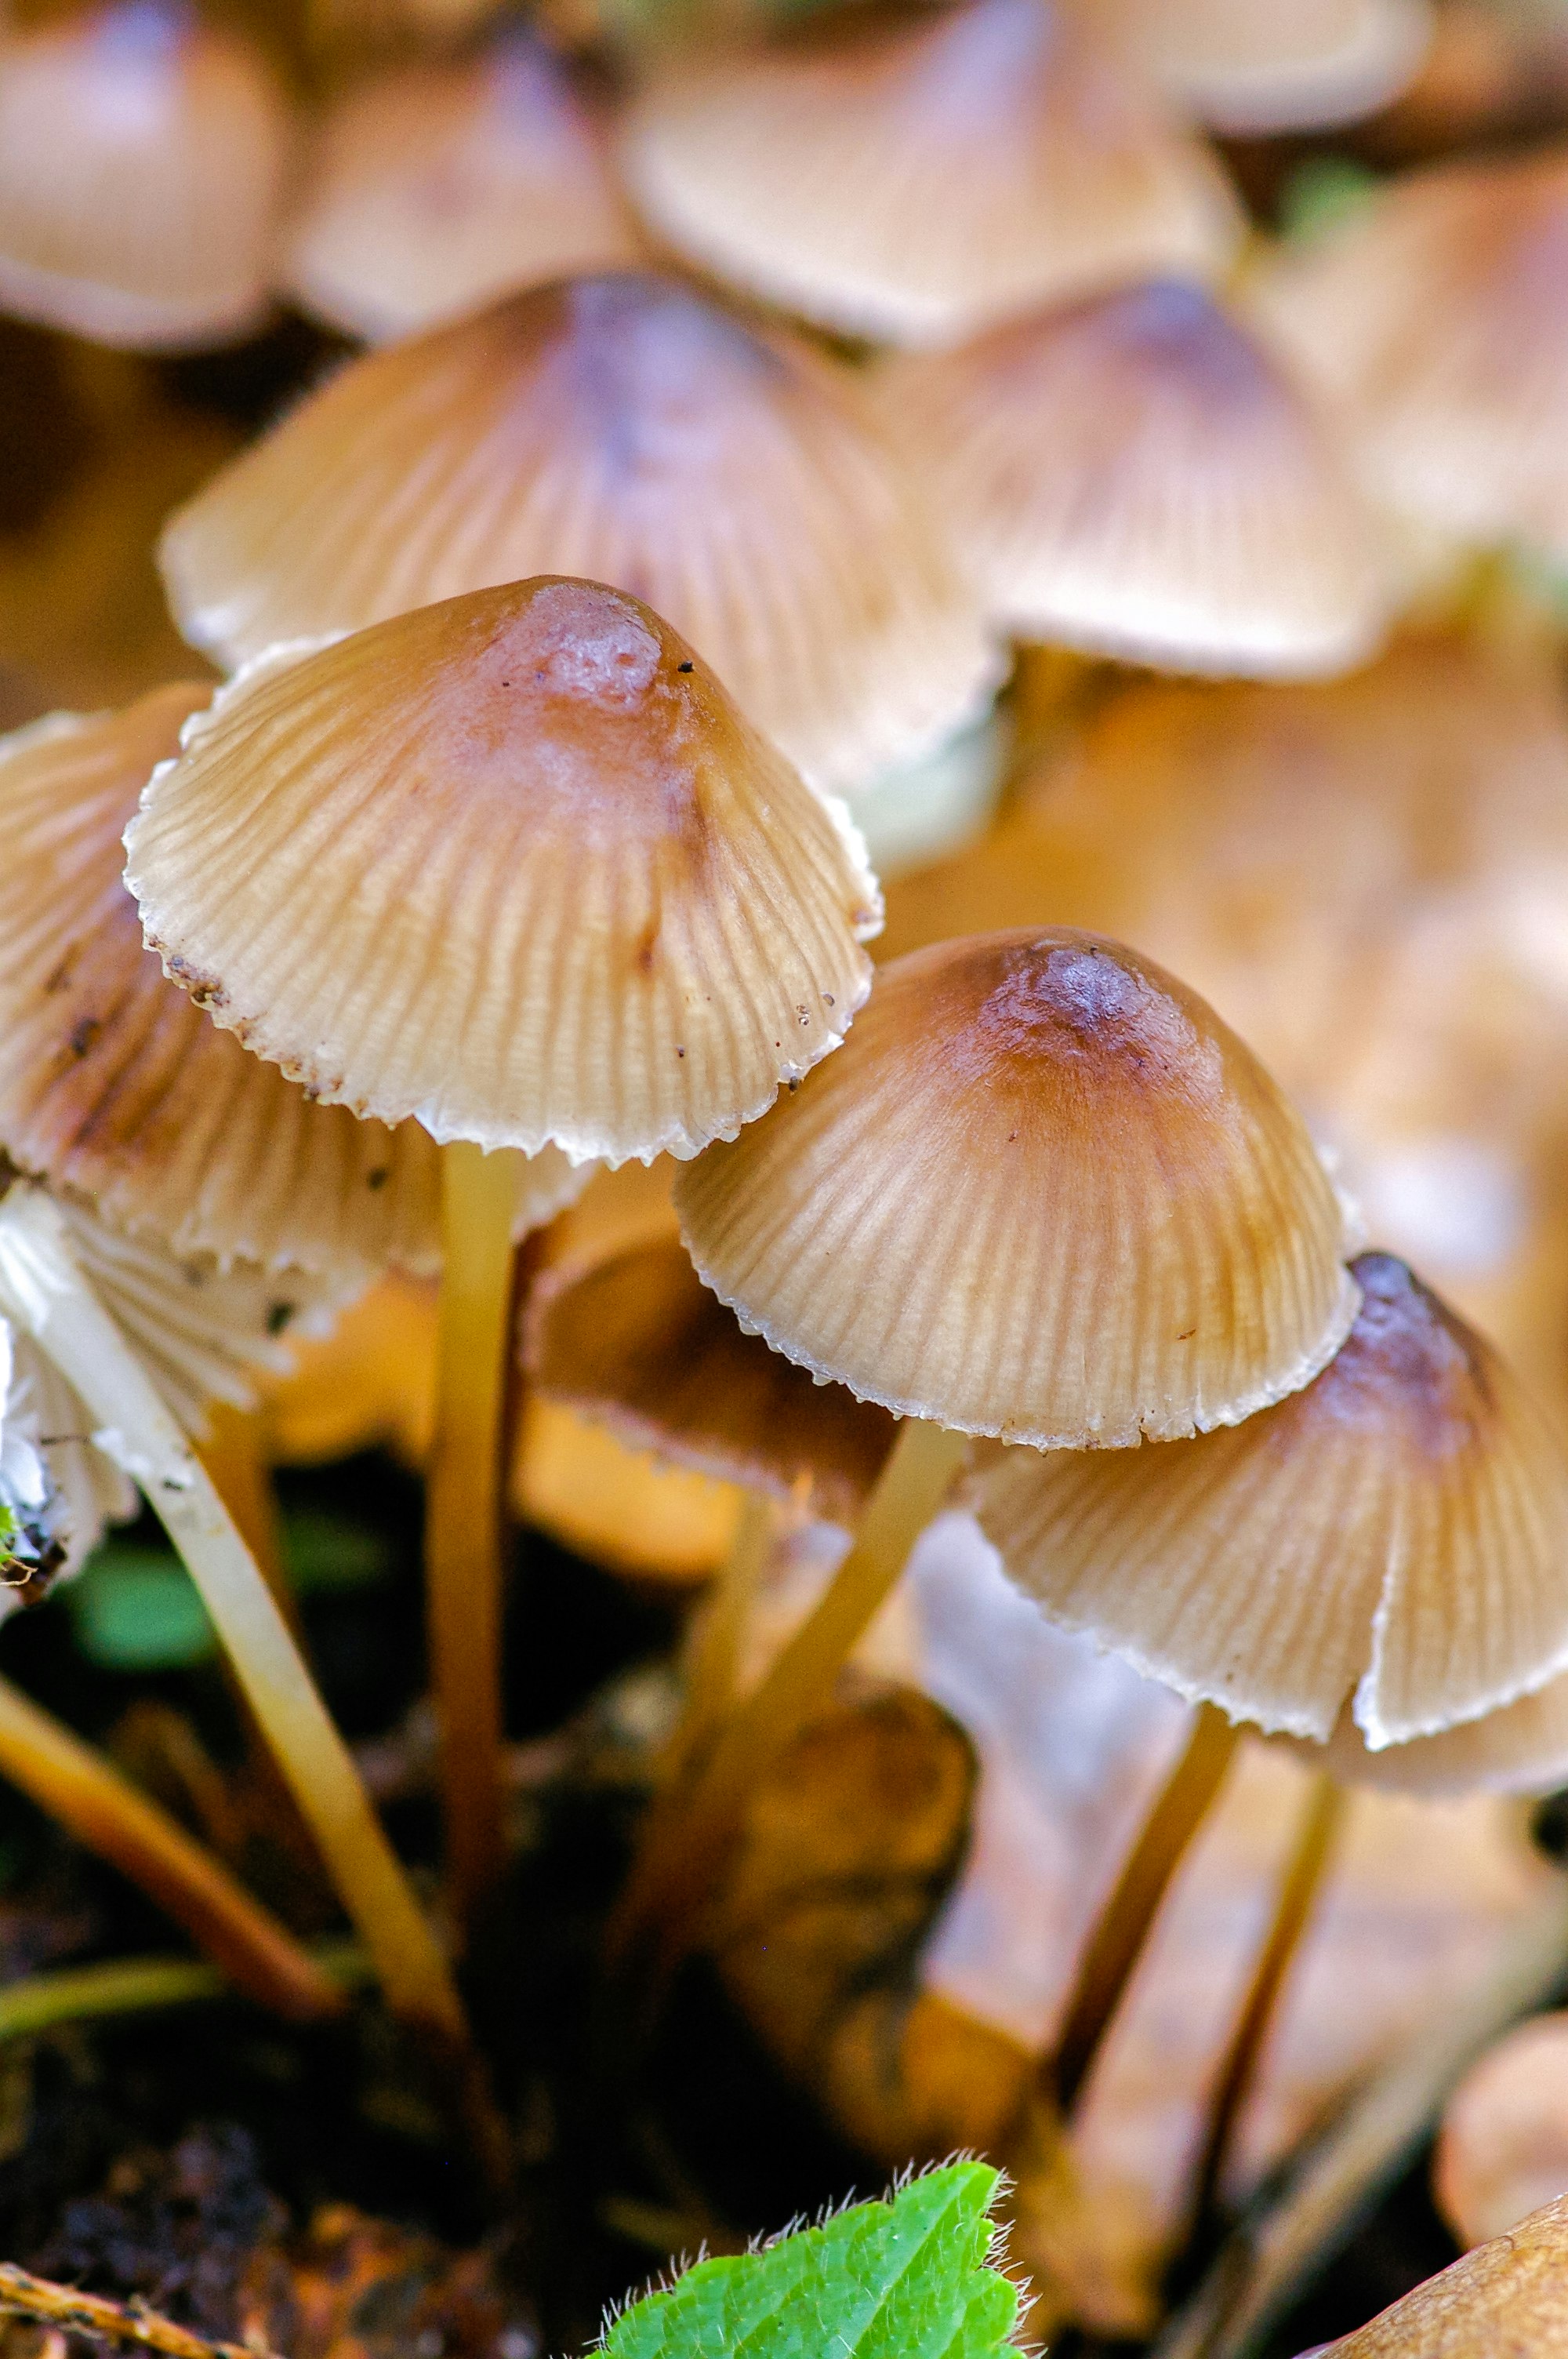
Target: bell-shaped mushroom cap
[113, 1086]
[1520, 1748]
[627, 428]
[1436, 316]
[1043, 1193]
[142, 158]
[914, 183]
[1395, 1532]
[639, 1342]
[1277, 65]
[1507, 2299]
[1135, 477]
[1503, 2150]
[436, 188]
[513, 865]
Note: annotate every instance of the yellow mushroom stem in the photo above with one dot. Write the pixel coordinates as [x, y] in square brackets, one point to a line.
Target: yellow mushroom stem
[691, 1827]
[715, 1656]
[1117, 1942]
[43, 1291]
[465, 1503]
[107, 1815]
[234, 1453]
[1318, 1827]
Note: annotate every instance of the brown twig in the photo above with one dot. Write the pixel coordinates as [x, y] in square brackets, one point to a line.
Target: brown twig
[25, 2296]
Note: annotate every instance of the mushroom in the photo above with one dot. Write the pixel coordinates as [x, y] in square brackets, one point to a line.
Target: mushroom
[1392, 1534]
[440, 185]
[631, 430]
[142, 161]
[914, 181]
[513, 866]
[1502, 2150]
[1043, 1192]
[1432, 316]
[1249, 66]
[1505, 2297]
[144, 1342]
[1134, 475]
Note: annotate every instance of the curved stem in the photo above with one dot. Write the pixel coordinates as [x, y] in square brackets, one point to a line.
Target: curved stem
[1117, 1942]
[1317, 1830]
[106, 1813]
[690, 1829]
[465, 1502]
[42, 1289]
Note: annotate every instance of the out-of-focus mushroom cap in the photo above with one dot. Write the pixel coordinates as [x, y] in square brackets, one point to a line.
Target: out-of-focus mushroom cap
[1397, 1531]
[1520, 1748]
[1503, 2148]
[1135, 477]
[437, 188]
[627, 428]
[513, 865]
[1436, 316]
[114, 1085]
[1253, 66]
[1507, 2299]
[914, 183]
[639, 1342]
[142, 161]
[1041, 1193]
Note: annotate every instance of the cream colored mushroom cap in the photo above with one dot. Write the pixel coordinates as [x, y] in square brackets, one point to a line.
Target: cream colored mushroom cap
[142, 164]
[1253, 66]
[914, 183]
[629, 428]
[1135, 475]
[114, 1087]
[1394, 1533]
[1043, 1193]
[1436, 316]
[513, 866]
[436, 188]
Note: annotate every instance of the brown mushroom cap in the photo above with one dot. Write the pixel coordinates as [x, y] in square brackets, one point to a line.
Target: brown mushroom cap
[142, 158]
[915, 182]
[1134, 475]
[439, 186]
[113, 1086]
[1397, 1531]
[1436, 316]
[627, 428]
[639, 1342]
[1253, 66]
[1507, 2299]
[513, 865]
[1043, 1192]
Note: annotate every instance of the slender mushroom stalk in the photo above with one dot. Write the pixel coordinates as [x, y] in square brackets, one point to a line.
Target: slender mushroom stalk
[691, 1830]
[104, 1810]
[42, 1287]
[464, 1508]
[1117, 1942]
[711, 1673]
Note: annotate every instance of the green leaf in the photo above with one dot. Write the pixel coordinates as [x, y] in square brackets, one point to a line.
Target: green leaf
[906, 2278]
[138, 1610]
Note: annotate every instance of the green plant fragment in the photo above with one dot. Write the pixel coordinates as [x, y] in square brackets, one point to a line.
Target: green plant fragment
[907, 2278]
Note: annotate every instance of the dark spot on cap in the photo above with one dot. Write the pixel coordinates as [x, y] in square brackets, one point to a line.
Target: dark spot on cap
[378, 1177]
[61, 973]
[278, 1316]
[84, 1034]
[685, 667]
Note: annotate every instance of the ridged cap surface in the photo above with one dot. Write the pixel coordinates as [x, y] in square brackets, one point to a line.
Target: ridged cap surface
[1043, 1193]
[638, 1342]
[1253, 66]
[513, 865]
[142, 163]
[1395, 1532]
[914, 183]
[1134, 475]
[1436, 316]
[115, 1087]
[630, 429]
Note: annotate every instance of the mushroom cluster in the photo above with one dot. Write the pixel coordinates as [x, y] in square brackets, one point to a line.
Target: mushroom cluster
[891, 479]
